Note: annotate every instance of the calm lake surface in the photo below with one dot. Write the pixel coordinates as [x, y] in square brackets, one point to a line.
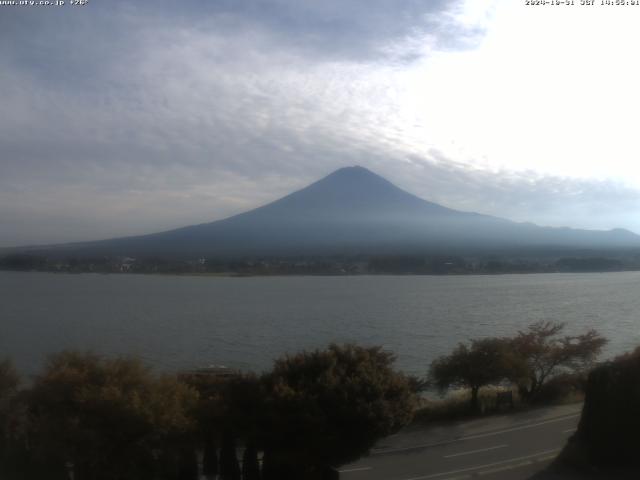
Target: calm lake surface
[177, 322]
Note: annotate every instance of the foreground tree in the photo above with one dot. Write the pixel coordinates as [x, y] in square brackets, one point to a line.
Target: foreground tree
[108, 419]
[250, 464]
[329, 407]
[474, 366]
[229, 465]
[607, 436]
[545, 353]
[210, 466]
[9, 379]
[9, 413]
[230, 411]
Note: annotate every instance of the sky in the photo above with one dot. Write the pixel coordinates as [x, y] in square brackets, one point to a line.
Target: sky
[120, 118]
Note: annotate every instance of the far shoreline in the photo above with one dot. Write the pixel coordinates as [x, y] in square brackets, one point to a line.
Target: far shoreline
[299, 275]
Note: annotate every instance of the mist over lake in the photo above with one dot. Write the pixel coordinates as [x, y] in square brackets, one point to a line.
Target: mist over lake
[175, 322]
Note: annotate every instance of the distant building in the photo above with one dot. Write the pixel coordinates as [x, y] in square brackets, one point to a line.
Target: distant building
[126, 265]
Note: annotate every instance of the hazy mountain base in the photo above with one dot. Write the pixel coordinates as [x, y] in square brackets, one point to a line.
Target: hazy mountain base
[350, 212]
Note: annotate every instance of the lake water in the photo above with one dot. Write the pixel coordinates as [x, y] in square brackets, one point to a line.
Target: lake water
[179, 322]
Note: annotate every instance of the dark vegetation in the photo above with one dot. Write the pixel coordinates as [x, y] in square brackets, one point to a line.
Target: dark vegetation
[325, 265]
[606, 443]
[484, 362]
[114, 419]
[529, 360]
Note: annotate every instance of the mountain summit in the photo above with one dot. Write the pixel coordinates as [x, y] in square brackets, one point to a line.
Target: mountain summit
[348, 191]
[351, 211]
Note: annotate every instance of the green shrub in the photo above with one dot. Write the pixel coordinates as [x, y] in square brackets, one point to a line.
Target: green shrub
[456, 405]
[564, 388]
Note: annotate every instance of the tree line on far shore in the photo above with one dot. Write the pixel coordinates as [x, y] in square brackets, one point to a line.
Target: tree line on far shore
[98, 418]
[471, 264]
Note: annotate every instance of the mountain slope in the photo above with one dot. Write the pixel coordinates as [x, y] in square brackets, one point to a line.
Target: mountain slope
[351, 210]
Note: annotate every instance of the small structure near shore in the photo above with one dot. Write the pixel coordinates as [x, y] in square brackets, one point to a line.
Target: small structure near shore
[209, 372]
[209, 380]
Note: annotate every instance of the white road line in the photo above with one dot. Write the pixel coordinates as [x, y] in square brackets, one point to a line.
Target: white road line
[486, 465]
[523, 427]
[357, 469]
[473, 437]
[492, 471]
[526, 463]
[569, 430]
[470, 452]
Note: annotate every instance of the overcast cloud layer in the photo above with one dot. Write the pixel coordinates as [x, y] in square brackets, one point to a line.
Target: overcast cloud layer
[120, 118]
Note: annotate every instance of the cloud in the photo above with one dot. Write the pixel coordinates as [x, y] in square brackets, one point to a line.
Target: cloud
[124, 118]
[524, 196]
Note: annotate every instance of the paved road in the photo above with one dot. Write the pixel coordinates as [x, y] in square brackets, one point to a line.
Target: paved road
[512, 447]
